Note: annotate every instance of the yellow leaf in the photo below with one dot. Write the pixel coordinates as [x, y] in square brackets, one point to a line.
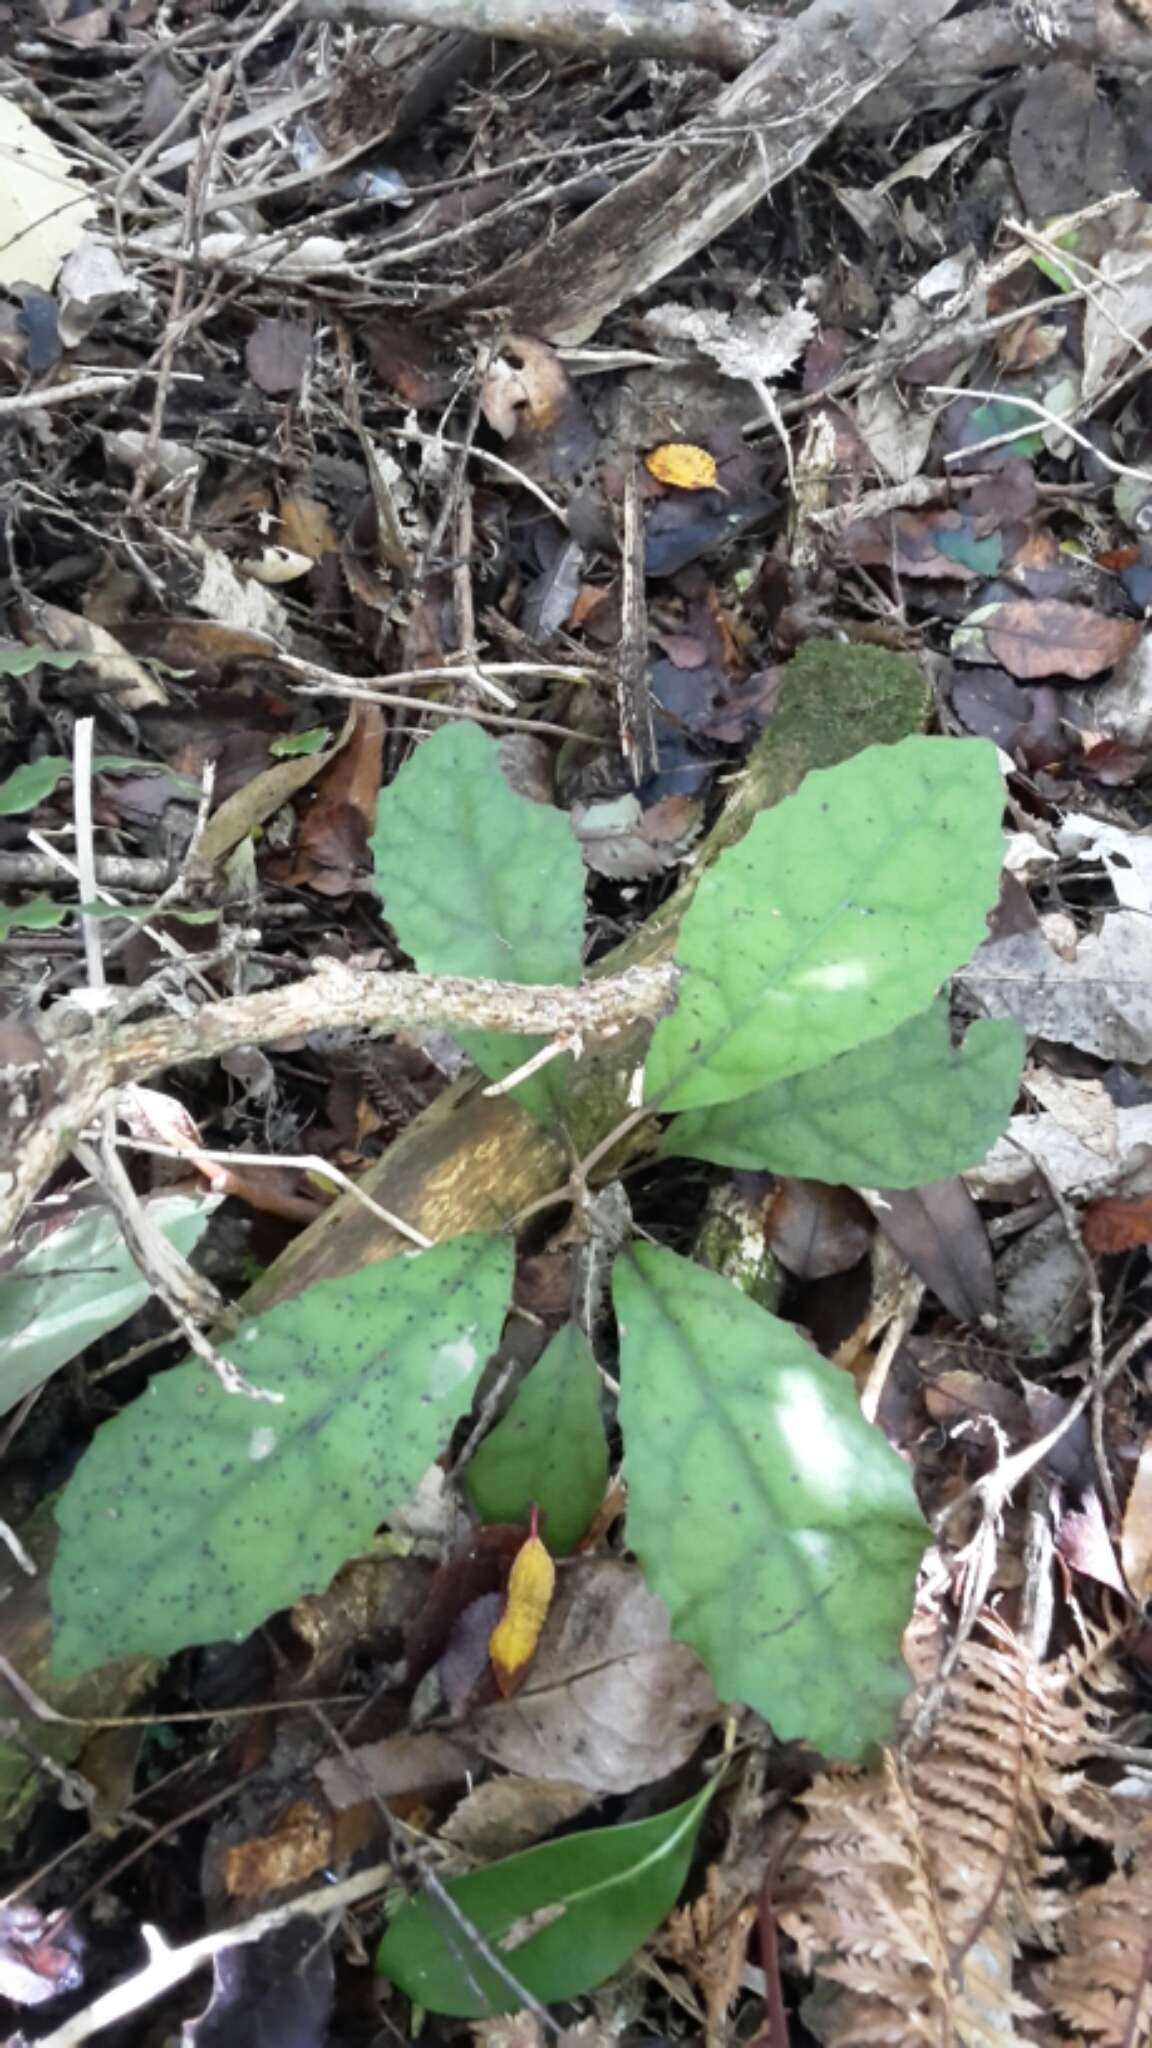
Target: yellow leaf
[531, 1583]
[679, 463]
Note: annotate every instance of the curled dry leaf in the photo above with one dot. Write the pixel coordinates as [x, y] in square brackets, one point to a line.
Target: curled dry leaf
[531, 1584]
[611, 1701]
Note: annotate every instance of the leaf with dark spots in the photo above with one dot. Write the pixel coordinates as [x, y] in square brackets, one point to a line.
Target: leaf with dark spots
[778, 1526]
[397, 1349]
[939, 1230]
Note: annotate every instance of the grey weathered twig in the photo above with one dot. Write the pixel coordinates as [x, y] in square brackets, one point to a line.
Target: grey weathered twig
[336, 997]
[706, 32]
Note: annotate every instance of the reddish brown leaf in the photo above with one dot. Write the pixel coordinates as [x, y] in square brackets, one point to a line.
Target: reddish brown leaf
[277, 355]
[1046, 637]
[1117, 1223]
[815, 1230]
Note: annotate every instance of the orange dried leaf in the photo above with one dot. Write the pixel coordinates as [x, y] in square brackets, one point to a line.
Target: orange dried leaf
[679, 463]
[1117, 1223]
[531, 1583]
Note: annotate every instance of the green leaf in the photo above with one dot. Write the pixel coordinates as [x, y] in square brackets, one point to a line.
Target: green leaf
[35, 781]
[310, 742]
[982, 556]
[477, 880]
[777, 1526]
[30, 784]
[549, 1451]
[139, 913]
[901, 1111]
[196, 1513]
[17, 660]
[38, 914]
[600, 1895]
[75, 1283]
[836, 916]
[1000, 416]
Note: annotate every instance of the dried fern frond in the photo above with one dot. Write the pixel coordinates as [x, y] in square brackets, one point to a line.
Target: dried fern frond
[913, 1890]
[1100, 1987]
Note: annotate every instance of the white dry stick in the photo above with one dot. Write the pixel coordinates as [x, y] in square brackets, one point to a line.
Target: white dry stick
[85, 847]
[166, 1967]
[1038, 411]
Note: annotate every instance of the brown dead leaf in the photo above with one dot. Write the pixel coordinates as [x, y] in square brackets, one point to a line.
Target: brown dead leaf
[277, 354]
[1047, 637]
[105, 659]
[1117, 1223]
[399, 1765]
[814, 1229]
[1082, 1540]
[306, 527]
[331, 854]
[508, 1814]
[1136, 1534]
[525, 387]
[305, 1840]
[611, 1702]
[940, 1231]
[248, 807]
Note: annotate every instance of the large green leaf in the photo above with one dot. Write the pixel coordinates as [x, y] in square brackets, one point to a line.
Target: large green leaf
[35, 914]
[69, 1286]
[838, 915]
[196, 1513]
[901, 1111]
[549, 1450]
[599, 1896]
[478, 880]
[777, 1526]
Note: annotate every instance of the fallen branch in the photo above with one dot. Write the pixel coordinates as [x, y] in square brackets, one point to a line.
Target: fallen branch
[708, 32]
[81, 1072]
[760, 128]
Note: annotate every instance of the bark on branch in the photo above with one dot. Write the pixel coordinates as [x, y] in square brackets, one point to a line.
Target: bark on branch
[760, 128]
[708, 32]
[334, 998]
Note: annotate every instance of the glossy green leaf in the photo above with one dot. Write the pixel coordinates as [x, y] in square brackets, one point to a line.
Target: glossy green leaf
[983, 556]
[549, 1450]
[66, 1287]
[901, 1111]
[837, 916]
[37, 914]
[599, 1896]
[196, 1513]
[778, 1527]
[478, 880]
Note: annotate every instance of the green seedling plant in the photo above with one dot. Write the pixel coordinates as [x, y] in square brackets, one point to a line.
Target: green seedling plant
[808, 1036]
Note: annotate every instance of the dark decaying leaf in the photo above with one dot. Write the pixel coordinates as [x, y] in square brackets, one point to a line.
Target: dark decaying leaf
[505, 1815]
[277, 355]
[1082, 1540]
[940, 1231]
[398, 1765]
[1067, 146]
[1117, 1223]
[815, 1229]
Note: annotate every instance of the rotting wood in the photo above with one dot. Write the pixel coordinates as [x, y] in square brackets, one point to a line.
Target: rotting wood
[759, 129]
